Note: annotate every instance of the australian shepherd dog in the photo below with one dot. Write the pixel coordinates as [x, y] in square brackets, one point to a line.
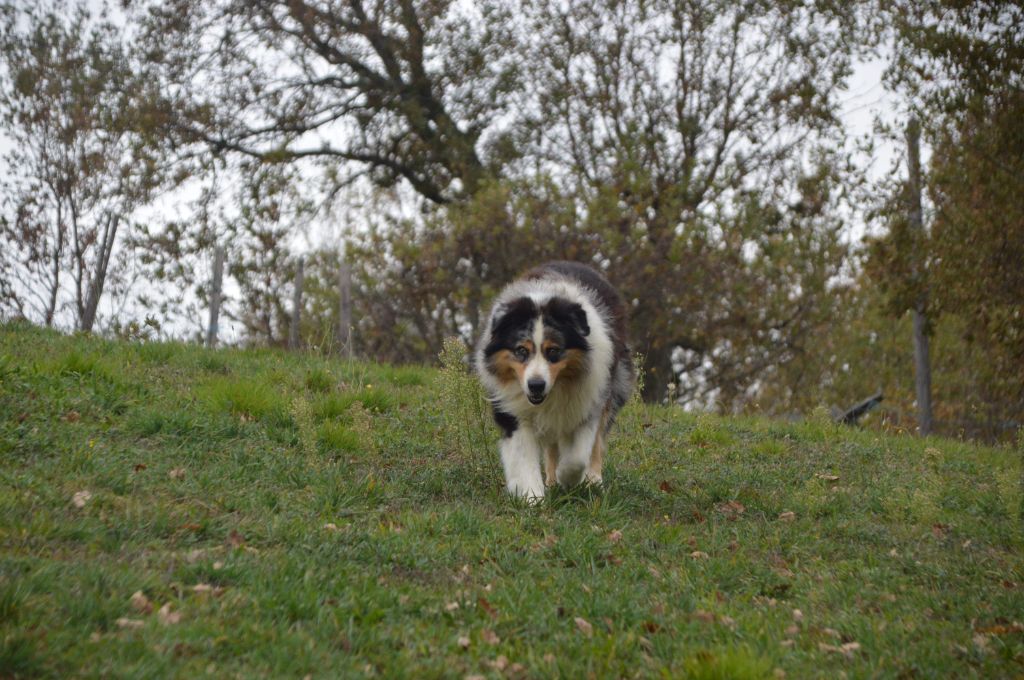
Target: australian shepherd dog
[555, 364]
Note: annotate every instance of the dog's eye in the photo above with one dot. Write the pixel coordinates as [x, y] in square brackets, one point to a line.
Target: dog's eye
[553, 354]
[522, 353]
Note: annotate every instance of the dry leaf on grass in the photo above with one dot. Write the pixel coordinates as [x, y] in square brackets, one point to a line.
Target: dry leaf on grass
[331, 526]
[787, 516]
[177, 473]
[490, 637]
[235, 539]
[72, 416]
[665, 487]
[847, 650]
[140, 603]
[731, 509]
[703, 616]
[168, 617]
[615, 536]
[129, 623]
[584, 626]
[827, 477]
[499, 664]
[451, 606]
[463, 642]
[487, 607]
[798, 615]
[1001, 628]
[81, 498]
[699, 555]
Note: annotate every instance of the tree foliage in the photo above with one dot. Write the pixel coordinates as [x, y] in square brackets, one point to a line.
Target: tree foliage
[679, 145]
[83, 159]
[394, 89]
[960, 67]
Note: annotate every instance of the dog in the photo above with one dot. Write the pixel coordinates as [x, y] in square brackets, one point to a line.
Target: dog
[555, 363]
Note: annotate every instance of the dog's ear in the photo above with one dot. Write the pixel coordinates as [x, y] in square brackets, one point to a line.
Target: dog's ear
[512, 314]
[571, 313]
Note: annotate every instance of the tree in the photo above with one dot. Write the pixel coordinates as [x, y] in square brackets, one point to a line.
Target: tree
[417, 283]
[82, 160]
[977, 179]
[687, 136]
[689, 130]
[960, 68]
[392, 89]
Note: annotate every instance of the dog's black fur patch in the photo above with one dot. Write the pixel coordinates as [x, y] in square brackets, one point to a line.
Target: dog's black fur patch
[568, 320]
[511, 324]
[506, 422]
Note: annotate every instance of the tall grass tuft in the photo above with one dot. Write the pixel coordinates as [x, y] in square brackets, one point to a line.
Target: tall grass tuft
[463, 407]
[362, 427]
[302, 415]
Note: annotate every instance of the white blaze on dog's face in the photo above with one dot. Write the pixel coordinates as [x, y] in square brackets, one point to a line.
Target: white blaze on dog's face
[536, 381]
[536, 345]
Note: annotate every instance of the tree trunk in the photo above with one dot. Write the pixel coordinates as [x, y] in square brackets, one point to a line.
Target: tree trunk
[293, 333]
[922, 361]
[922, 374]
[99, 275]
[215, 296]
[345, 308]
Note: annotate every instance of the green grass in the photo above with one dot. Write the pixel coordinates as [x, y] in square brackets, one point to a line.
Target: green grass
[345, 519]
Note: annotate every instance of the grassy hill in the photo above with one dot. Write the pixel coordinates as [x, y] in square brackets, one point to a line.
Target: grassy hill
[167, 510]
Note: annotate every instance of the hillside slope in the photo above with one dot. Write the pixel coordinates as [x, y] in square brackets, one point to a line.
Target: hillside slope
[167, 510]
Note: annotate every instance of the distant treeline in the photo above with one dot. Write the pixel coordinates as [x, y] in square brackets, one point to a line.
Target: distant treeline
[694, 150]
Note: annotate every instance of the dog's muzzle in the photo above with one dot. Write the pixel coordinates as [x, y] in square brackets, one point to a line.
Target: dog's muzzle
[535, 390]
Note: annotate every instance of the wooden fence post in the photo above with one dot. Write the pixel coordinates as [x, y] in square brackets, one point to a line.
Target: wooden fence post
[215, 296]
[293, 332]
[345, 308]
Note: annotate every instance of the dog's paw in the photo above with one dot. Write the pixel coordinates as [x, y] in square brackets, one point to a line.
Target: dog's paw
[570, 475]
[529, 495]
[592, 479]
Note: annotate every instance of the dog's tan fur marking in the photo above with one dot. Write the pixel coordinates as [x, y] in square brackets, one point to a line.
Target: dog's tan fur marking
[596, 456]
[570, 367]
[506, 367]
[550, 465]
[597, 453]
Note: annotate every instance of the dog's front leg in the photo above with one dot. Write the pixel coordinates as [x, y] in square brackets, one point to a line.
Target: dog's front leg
[520, 456]
[574, 454]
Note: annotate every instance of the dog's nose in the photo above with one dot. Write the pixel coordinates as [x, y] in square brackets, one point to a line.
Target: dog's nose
[536, 386]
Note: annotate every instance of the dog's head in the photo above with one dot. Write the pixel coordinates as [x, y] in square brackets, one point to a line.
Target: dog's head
[537, 345]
